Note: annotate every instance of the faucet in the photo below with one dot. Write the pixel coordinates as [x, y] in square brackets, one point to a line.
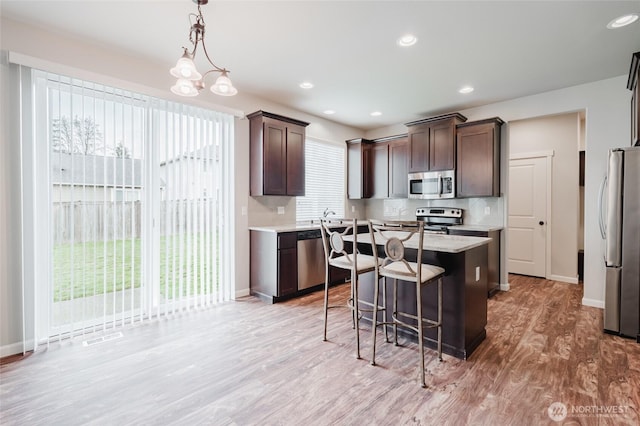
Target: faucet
[327, 212]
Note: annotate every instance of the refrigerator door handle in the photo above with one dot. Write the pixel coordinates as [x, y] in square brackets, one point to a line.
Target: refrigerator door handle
[613, 243]
[601, 208]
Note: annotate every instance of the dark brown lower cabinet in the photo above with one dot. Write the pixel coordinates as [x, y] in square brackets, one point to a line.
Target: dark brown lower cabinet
[493, 281]
[287, 271]
[274, 265]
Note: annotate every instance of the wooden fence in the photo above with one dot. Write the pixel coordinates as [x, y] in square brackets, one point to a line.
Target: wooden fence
[85, 221]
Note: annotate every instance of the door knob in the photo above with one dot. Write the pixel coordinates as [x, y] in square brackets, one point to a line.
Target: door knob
[541, 222]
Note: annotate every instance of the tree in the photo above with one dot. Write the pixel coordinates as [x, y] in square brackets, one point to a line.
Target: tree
[122, 151]
[77, 136]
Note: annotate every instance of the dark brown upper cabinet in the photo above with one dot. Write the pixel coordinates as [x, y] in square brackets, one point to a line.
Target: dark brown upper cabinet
[398, 167]
[432, 142]
[478, 158]
[380, 170]
[359, 183]
[276, 154]
[632, 84]
[377, 168]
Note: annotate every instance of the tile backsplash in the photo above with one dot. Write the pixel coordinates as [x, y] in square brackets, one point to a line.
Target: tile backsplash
[263, 211]
[476, 211]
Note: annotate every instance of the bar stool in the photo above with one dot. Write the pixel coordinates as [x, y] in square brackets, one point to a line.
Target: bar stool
[395, 235]
[337, 255]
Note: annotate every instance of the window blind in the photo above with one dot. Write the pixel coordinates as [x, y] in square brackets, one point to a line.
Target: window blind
[324, 180]
[126, 202]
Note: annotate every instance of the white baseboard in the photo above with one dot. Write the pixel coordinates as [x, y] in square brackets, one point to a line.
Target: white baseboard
[570, 280]
[12, 349]
[593, 303]
[242, 293]
[505, 287]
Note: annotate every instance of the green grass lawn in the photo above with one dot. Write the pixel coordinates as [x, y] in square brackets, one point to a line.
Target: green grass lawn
[105, 266]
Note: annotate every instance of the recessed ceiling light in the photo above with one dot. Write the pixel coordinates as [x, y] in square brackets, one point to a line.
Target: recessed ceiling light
[329, 112]
[623, 21]
[375, 114]
[407, 40]
[306, 85]
[466, 89]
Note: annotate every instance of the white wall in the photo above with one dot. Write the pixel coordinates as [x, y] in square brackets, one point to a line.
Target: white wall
[607, 120]
[10, 220]
[560, 134]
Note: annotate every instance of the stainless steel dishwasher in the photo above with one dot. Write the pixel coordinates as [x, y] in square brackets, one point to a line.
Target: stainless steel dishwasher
[310, 259]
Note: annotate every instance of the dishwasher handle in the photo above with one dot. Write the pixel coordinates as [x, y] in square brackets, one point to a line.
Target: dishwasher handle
[311, 234]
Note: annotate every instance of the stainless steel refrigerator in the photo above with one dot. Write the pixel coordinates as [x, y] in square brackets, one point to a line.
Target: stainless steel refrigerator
[620, 226]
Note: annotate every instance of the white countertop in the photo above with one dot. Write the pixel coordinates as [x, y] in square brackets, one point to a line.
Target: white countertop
[480, 228]
[294, 227]
[316, 225]
[436, 242]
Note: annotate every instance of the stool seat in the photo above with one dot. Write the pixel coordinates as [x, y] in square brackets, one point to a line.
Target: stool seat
[400, 271]
[365, 263]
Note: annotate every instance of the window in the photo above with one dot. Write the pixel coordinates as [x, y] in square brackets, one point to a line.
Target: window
[324, 176]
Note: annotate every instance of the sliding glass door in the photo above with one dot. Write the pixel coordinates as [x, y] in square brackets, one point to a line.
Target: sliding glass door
[128, 197]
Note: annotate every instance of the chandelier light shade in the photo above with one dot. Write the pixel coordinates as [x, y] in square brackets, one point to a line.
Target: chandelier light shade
[189, 80]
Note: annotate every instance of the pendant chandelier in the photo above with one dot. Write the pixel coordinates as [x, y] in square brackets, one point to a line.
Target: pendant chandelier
[190, 81]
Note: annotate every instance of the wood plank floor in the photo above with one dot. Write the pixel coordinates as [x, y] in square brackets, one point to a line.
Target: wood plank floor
[247, 363]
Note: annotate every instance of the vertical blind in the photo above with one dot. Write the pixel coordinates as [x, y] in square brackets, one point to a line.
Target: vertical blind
[126, 202]
[325, 181]
[191, 207]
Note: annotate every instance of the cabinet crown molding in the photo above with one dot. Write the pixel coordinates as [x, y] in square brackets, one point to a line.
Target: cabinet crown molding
[456, 115]
[492, 120]
[261, 113]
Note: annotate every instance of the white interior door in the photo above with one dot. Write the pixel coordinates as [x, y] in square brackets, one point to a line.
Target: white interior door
[527, 222]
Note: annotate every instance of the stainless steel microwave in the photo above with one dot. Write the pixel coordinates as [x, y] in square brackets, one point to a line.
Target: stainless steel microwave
[432, 185]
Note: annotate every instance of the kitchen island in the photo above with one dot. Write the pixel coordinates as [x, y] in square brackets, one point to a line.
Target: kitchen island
[464, 290]
[276, 250]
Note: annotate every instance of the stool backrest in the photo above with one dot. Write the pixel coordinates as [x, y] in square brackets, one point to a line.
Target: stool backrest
[394, 236]
[333, 232]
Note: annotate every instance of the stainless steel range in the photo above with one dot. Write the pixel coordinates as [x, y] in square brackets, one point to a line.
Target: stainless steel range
[438, 219]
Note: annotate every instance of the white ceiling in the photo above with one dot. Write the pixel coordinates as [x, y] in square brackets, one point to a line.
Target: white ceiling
[505, 49]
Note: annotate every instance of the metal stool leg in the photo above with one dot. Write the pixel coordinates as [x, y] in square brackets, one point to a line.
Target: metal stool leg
[354, 314]
[374, 320]
[395, 310]
[420, 332]
[326, 302]
[385, 315]
[440, 318]
[354, 283]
